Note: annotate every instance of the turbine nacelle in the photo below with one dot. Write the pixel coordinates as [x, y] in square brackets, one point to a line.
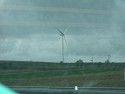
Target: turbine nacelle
[62, 34]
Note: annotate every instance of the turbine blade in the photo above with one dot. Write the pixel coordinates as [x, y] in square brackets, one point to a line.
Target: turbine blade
[65, 41]
[67, 28]
[60, 31]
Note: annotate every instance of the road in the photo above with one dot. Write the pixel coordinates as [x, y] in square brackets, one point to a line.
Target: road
[68, 90]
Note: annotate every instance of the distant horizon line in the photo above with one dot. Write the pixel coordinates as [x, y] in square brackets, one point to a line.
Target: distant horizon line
[57, 62]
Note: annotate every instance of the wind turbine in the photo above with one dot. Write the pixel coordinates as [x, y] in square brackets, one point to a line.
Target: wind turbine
[62, 34]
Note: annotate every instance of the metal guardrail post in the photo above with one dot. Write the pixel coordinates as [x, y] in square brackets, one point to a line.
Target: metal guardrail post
[76, 89]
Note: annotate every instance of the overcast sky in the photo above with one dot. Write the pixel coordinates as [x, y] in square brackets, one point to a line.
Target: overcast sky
[96, 30]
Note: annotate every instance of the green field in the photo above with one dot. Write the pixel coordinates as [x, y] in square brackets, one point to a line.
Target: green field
[20, 73]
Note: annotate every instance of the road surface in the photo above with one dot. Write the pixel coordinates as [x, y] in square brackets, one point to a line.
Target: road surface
[68, 90]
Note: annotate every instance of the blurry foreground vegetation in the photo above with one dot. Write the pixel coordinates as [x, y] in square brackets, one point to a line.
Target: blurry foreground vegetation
[23, 73]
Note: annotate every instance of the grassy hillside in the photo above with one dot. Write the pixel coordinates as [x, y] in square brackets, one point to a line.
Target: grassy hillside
[15, 73]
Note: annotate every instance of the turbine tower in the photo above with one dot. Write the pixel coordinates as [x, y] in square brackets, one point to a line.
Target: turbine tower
[62, 34]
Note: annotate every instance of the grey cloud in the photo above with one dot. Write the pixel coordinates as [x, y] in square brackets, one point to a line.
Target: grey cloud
[108, 4]
[27, 35]
[89, 47]
[7, 45]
